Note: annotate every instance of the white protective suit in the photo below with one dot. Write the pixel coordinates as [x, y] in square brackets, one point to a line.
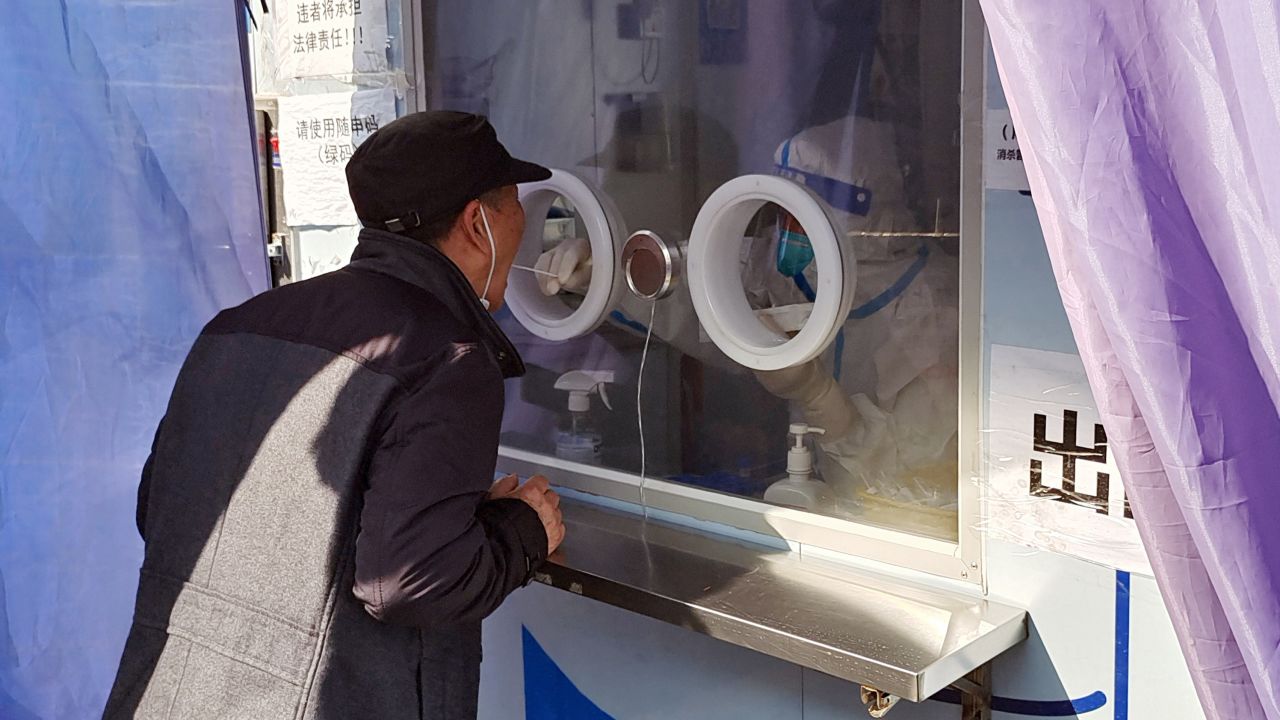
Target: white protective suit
[897, 361]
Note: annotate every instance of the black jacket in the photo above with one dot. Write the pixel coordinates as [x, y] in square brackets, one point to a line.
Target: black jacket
[319, 542]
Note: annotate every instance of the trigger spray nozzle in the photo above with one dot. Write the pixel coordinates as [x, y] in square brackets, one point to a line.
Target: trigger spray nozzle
[581, 384]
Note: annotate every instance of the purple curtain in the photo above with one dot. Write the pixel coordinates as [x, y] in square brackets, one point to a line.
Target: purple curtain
[1151, 131]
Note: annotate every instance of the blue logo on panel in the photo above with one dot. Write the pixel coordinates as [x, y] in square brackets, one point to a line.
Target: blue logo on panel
[548, 693]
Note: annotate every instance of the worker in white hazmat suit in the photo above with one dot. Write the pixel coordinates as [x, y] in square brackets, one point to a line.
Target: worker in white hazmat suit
[891, 437]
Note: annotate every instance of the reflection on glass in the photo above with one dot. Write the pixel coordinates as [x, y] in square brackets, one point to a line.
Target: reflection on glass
[855, 99]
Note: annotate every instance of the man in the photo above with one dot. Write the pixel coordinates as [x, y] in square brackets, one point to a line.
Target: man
[322, 540]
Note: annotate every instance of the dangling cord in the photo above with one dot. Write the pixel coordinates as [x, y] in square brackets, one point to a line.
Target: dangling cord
[493, 257]
[653, 309]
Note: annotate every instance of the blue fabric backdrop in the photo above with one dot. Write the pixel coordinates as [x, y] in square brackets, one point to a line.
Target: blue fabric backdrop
[129, 214]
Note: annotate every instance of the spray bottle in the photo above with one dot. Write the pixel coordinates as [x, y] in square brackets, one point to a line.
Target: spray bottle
[578, 440]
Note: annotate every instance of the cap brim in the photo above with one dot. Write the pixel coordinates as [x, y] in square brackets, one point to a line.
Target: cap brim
[524, 172]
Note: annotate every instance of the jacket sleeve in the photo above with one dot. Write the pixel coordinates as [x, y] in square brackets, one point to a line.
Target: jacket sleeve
[144, 486]
[432, 549]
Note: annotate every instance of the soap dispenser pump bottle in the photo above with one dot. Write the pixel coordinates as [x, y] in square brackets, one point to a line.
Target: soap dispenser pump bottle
[577, 438]
[800, 488]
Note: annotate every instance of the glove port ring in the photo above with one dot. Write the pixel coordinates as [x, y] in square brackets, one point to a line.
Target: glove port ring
[552, 318]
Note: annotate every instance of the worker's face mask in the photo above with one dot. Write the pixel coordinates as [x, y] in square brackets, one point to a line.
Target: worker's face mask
[795, 252]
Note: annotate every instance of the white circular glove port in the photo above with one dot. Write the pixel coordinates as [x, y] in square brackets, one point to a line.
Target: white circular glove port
[550, 317]
[715, 281]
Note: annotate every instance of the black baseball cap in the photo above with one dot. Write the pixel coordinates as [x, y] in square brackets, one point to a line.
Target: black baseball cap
[429, 165]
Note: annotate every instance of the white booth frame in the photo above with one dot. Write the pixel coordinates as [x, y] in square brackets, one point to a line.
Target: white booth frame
[818, 535]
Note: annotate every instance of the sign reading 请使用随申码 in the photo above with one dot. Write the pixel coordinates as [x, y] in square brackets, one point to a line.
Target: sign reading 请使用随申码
[318, 134]
[328, 38]
[1052, 477]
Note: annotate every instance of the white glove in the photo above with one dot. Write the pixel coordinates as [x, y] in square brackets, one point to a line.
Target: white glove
[570, 266]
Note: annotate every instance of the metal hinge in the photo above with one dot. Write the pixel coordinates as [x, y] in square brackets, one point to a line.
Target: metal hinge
[275, 246]
[975, 696]
[878, 703]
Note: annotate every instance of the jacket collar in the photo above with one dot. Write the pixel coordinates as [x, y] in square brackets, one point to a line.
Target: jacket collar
[420, 264]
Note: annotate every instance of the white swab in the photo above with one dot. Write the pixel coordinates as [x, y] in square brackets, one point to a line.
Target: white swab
[534, 270]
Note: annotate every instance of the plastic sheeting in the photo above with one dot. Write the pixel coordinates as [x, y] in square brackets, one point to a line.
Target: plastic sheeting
[129, 214]
[1151, 132]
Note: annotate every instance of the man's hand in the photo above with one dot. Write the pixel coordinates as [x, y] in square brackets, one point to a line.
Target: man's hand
[568, 266]
[504, 487]
[538, 494]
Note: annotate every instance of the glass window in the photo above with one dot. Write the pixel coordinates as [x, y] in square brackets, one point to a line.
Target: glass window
[660, 102]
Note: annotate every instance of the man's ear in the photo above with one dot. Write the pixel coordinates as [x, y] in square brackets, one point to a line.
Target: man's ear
[471, 223]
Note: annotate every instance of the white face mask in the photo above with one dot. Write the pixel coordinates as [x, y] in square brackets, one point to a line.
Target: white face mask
[493, 259]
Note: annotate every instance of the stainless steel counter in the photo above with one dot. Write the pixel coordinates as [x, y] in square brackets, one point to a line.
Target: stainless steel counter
[902, 639]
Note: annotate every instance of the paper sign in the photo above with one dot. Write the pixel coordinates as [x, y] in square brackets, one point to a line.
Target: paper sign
[1053, 481]
[318, 134]
[321, 250]
[329, 37]
[1002, 166]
